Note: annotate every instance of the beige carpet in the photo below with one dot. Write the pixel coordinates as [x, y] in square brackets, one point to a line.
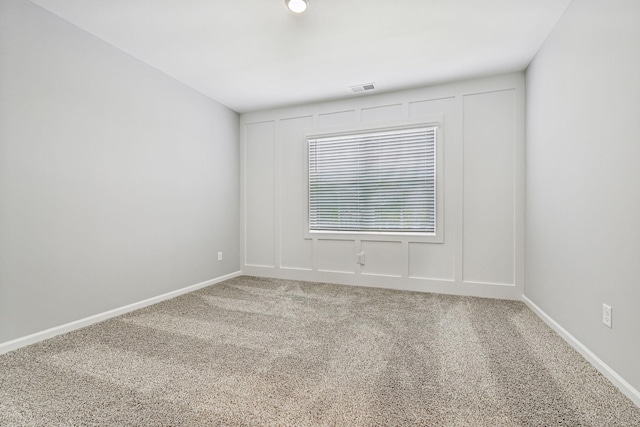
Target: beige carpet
[262, 352]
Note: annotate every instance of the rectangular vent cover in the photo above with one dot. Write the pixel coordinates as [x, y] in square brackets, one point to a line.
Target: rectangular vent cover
[363, 87]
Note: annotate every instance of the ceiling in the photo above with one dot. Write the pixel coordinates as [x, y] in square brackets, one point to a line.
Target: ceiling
[255, 54]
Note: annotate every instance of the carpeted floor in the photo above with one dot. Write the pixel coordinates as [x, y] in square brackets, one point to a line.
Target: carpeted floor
[263, 352]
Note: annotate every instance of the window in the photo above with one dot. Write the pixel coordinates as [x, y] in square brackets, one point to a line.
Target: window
[378, 181]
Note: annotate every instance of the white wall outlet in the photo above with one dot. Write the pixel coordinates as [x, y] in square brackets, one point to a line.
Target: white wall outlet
[606, 314]
[360, 258]
[219, 256]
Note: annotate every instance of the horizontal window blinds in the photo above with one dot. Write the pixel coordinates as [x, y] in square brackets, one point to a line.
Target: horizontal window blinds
[381, 181]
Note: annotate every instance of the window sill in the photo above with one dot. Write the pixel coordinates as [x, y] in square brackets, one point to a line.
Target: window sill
[375, 236]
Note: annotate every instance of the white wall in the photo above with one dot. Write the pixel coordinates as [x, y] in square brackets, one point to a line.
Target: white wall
[117, 183]
[583, 179]
[482, 253]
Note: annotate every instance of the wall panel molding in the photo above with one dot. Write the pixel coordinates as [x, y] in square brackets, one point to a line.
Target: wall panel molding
[404, 263]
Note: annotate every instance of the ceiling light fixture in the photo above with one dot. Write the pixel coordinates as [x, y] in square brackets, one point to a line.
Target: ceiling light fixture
[297, 6]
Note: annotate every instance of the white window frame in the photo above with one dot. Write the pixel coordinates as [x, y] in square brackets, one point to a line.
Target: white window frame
[438, 235]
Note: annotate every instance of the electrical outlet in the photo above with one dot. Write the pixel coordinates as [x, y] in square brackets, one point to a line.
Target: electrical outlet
[606, 314]
[219, 256]
[360, 258]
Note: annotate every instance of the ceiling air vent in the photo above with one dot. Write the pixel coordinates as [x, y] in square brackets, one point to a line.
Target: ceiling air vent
[363, 87]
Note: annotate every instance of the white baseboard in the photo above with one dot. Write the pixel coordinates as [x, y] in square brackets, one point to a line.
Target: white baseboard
[72, 326]
[626, 388]
[415, 284]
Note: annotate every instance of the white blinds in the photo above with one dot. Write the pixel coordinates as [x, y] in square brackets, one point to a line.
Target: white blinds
[381, 181]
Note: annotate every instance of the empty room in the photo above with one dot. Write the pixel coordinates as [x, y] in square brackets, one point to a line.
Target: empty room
[319, 213]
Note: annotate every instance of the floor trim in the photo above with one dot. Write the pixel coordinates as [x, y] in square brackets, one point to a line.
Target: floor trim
[626, 388]
[81, 323]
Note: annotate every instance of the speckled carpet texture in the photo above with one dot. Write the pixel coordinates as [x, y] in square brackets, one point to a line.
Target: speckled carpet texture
[264, 352]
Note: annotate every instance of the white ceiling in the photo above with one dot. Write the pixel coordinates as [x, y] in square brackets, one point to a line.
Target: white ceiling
[255, 54]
